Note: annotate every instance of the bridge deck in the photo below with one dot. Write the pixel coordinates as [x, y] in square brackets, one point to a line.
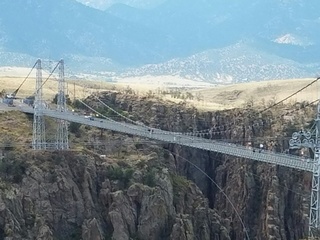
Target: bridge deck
[190, 141]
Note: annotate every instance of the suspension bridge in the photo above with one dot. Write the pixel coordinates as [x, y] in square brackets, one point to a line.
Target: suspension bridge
[63, 116]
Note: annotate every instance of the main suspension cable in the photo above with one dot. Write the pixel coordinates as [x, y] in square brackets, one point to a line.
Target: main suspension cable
[273, 105]
[16, 91]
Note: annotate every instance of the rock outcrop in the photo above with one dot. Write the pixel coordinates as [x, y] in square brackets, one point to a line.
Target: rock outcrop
[75, 196]
[149, 192]
[272, 201]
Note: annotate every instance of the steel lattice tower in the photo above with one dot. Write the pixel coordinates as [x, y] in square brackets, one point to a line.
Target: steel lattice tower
[62, 141]
[304, 139]
[38, 135]
[314, 217]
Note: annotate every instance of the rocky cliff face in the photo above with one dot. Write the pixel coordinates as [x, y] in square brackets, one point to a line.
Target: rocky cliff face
[140, 189]
[71, 195]
[272, 201]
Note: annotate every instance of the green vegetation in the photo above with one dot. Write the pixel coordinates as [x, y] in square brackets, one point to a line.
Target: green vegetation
[78, 105]
[76, 234]
[166, 154]
[75, 128]
[121, 174]
[180, 94]
[12, 168]
[180, 185]
[149, 178]
[3, 93]
[68, 100]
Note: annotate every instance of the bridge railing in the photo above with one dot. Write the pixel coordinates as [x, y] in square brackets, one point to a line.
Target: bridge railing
[186, 140]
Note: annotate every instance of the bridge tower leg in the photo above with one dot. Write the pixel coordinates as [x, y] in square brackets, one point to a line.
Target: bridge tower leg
[314, 217]
[62, 141]
[38, 135]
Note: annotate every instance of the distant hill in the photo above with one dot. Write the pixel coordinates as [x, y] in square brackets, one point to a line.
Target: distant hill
[103, 4]
[207, 40]
[233, 64]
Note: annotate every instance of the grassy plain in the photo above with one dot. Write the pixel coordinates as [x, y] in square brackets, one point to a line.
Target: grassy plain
[209, 97]
[236, 95]
[77, 88]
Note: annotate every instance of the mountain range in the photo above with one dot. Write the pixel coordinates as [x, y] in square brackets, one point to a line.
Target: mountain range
[104, 4]
[213, 41]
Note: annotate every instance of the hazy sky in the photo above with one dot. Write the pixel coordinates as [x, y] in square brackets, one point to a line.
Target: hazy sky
[103, 4]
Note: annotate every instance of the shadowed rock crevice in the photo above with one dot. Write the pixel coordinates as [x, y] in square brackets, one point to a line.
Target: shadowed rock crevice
[71, 206]
[143, 191]
[255, 189]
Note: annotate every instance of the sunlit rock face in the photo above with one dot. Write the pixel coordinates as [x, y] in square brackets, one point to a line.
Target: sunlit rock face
[149, 190]
[272, 201]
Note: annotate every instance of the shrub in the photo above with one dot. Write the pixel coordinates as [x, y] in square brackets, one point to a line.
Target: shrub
[150, 178]
[12, 169]
[166, 154]
[78, 105]
[123, 175]
[74, 127]
[180, 185]
[68, 100]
